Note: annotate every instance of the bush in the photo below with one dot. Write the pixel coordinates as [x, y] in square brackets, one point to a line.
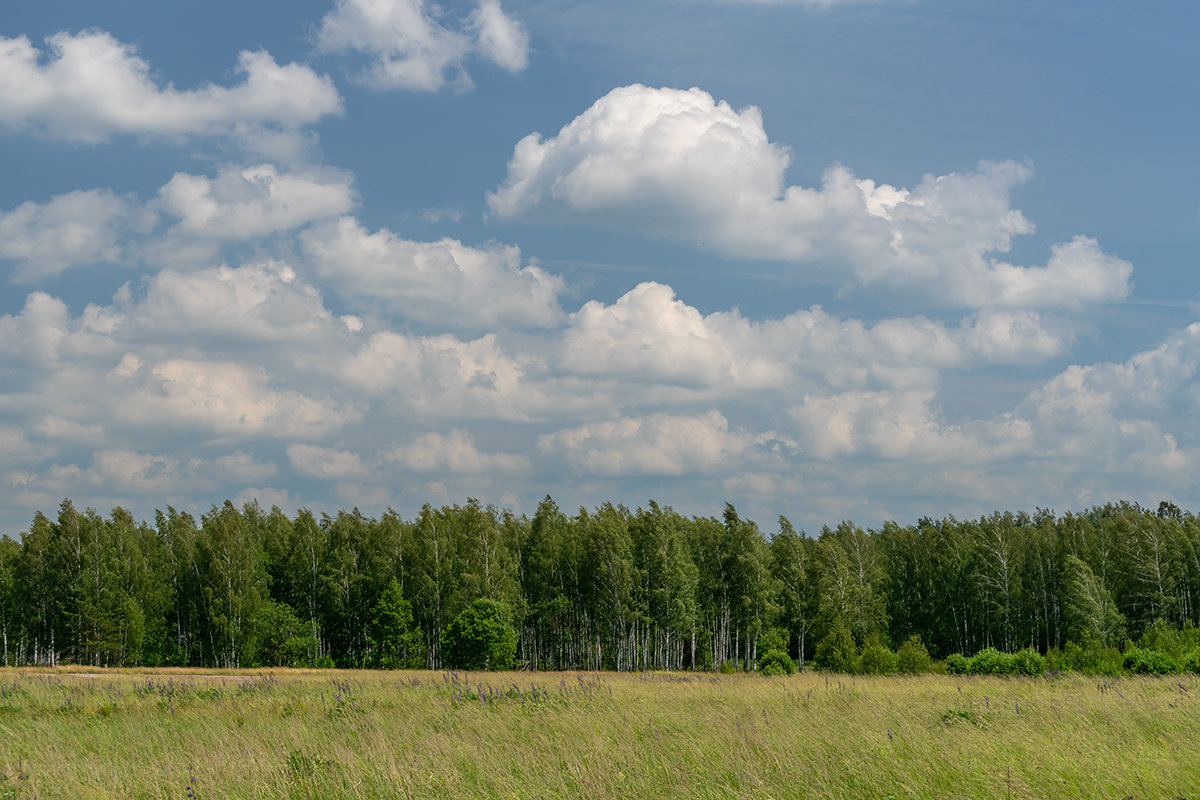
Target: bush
[836, 652]
[1093, 658]
[727, 668]
[282, 639]
[774, 639]
[876, 659]
[957, 664]
[913, 658]
[776, 662]
[1142, 661]
[1191, 661]
[1028, 662]
[990, 661]
[480, 638]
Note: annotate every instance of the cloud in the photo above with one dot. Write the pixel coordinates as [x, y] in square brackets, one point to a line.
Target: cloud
[677, 163]
[243, 467]
[326, 463]
[1134, 412]
[98, 226]
[77, 228]
[1092, 433]
[445, 283]
[895, 425]
[225, 398]
[443, 376]
[454, 453]
[45, 334]
[114, 474]
[648, 335]
[130, 471]
[413, 49]
[16, 448]
[657, 444]
[88, 87]
[244, 203]
[500, 38]
[256, 303]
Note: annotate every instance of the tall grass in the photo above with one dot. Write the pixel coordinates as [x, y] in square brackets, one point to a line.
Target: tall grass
[663, 735]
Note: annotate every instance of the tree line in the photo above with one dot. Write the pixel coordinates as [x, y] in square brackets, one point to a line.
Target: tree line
[607, 588]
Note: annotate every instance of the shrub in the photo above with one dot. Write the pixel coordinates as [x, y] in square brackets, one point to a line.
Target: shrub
[912, 657]
[1093, 658]
[1142, 661]
[836, 652]
[480, 638]
[776, 662]
[1160, 635]
[1191, 661]
[282, 639]
[990, 661]
[876, 659]
[1028, 662]
[727, 668]
[957, 664]
[774, 639]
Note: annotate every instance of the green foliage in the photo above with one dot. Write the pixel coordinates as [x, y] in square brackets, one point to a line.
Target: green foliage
[610, 589]
[1088, 607]
[776, 662]
[990, 661]
[1191, 661]
[1165, 638]
[957, 664]
[912, 657]
[1092, 658]
[1028, 662]
[1141, 661]
[282, 639]
[394, 638]
[774, 639]
[876, 659]
[837, 652]
[480, 638]
[727, 668]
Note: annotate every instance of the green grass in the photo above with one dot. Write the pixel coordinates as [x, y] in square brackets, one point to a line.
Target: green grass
[290, 734]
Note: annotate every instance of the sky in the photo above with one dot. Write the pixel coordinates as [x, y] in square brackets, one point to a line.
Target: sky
[828, 259]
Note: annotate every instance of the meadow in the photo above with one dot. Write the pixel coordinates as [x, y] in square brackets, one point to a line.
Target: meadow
[342, 734]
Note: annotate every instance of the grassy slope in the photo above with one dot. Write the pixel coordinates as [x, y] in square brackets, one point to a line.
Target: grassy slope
[429, 735]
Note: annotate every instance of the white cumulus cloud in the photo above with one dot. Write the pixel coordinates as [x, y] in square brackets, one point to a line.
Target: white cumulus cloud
[88, 86]
[327, 463]
[250, 202]
[677, 163]
[226, 398]
[256, 303]
[412, 47]
[77, 228]
[649, 335]
[657, 444]
[454, 453]
[444, 282]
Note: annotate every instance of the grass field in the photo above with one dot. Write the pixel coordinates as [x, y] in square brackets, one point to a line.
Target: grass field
[291, 734]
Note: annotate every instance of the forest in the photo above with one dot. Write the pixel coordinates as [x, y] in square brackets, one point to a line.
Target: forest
[610, 588]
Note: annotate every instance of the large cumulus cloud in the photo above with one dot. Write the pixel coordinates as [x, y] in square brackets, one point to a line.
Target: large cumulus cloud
[678, 163]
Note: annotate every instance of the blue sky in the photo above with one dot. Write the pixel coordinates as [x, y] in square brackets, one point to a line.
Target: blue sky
[865, 259]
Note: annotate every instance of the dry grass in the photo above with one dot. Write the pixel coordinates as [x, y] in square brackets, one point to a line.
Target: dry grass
[296, 734]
